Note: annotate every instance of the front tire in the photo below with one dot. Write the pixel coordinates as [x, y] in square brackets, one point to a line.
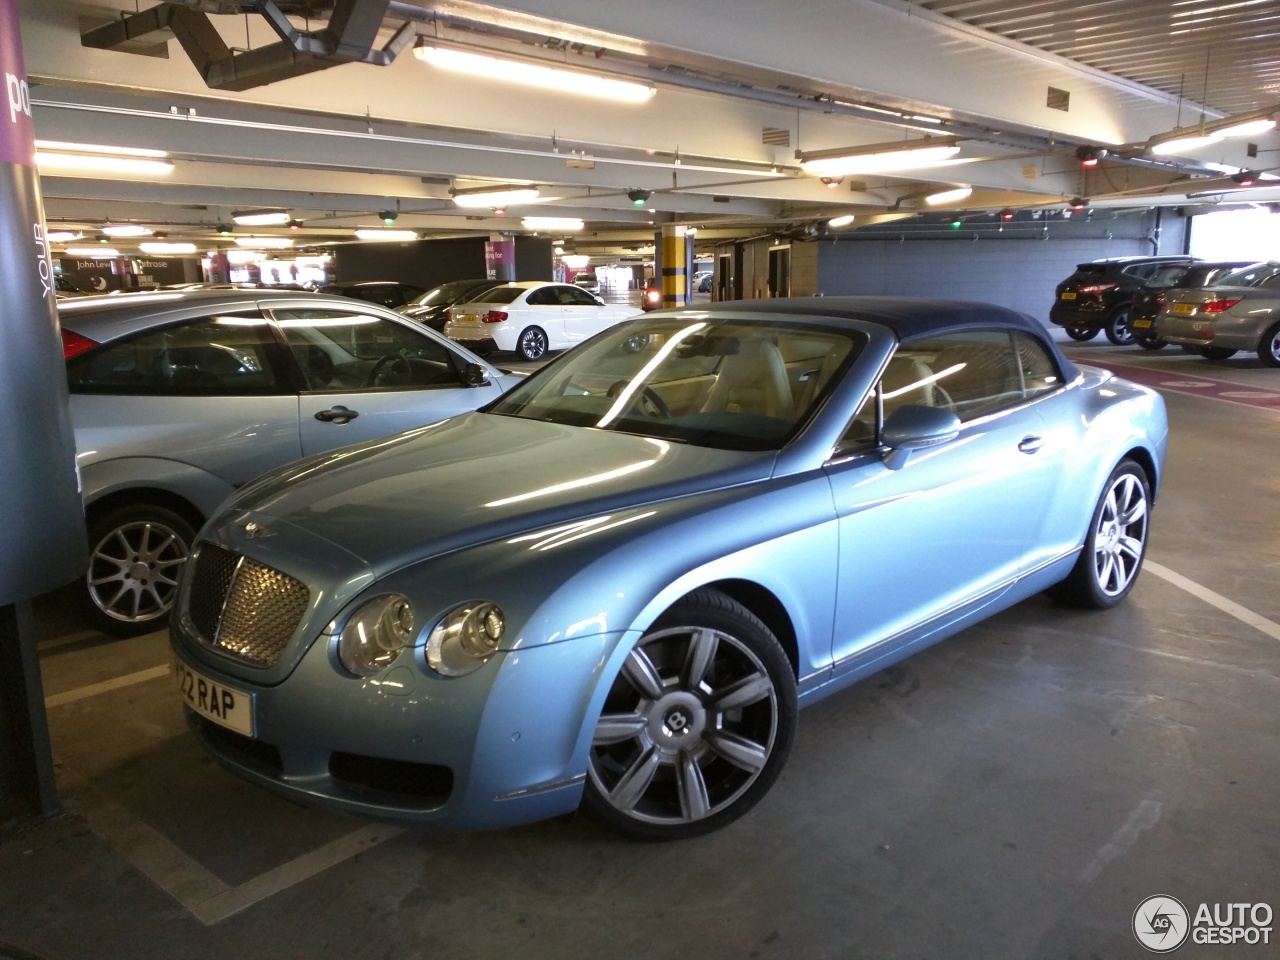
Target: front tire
[1118, 329]
[1115, 545]
[1269, 347]
[697, 725]
[1081, 333]
[135, 556]
[532, 343]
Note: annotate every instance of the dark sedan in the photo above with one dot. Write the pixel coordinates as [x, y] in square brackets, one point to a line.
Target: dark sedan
[432, 308]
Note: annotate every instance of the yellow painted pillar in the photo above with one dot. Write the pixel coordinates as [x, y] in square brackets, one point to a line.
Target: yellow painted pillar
[672, 265]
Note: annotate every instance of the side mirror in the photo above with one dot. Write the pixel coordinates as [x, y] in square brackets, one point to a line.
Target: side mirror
[913, 427]
[474, 375]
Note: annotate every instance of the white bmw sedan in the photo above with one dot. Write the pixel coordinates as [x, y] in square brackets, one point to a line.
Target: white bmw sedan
[531, 317]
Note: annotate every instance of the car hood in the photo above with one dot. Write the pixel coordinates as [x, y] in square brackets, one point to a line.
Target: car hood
[480, 477]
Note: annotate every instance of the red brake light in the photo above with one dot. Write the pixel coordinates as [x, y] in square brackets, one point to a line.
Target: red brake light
[1097, 287]
[493, 316]
[1217, 306]
[73, 344]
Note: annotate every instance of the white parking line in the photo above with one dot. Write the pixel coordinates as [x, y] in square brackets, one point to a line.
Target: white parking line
[115, 683]
[1243, 614]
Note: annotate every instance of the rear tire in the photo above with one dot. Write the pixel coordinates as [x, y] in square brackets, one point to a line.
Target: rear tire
[1118, 330]
[136, 554]
[532, 343]
[1269, 347]
[1081, 333]
[1115, 544]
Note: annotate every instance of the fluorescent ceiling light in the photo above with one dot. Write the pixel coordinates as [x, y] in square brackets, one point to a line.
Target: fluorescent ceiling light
[126, 230]
[167, 248]
[948, 196]
[495, 198]
[1181, 144]
[63, 236]
[879, 158]
[1246, 128]
[96, 253]
[51, 162]
[379, 234]
[576, 261]
[265, 243]
[841, 221]
[552, 223]
[97, 148]
[260, 218]
[535, 75]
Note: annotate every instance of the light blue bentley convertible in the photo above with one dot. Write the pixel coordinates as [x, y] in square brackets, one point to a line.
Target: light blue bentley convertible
[615, 585]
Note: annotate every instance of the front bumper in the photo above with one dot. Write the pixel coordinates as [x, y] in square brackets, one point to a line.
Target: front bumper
[502, 746]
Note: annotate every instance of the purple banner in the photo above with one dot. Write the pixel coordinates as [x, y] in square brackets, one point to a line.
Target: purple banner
[17, 137]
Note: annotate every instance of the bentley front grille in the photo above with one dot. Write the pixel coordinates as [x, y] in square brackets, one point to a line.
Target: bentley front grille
[243, 608]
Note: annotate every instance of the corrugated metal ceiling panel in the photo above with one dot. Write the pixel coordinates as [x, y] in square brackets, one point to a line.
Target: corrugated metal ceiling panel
[1223, 53]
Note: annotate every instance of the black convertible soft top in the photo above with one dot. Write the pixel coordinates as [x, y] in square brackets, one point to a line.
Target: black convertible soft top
[907, 317]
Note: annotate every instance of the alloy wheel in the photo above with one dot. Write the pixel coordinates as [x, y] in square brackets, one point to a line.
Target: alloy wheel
[533, 344]
[133, 571]
[688, 727]
[1120, 535]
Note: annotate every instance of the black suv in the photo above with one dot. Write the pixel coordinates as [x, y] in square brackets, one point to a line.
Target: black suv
[1099, 296]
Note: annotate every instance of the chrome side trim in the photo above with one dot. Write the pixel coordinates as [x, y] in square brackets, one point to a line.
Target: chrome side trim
[541, 788]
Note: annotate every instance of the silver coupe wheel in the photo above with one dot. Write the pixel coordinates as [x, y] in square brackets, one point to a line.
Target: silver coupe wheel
[694, 729]
[532, 344]
[135, 558]
[1120, 535]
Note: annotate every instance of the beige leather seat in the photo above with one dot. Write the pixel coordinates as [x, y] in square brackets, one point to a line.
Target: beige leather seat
[753, 380]
[907, 381]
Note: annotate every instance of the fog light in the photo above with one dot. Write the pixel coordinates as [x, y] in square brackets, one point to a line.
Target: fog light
[465, 638]
[375, 635]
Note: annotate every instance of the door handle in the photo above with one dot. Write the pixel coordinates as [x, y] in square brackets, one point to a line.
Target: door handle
[337, 415]
[1031, 444]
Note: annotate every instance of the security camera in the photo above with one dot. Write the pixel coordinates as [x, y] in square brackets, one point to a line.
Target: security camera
[388, 216]
[639, 197]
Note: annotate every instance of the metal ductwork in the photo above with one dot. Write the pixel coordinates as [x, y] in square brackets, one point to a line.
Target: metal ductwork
[348, 37]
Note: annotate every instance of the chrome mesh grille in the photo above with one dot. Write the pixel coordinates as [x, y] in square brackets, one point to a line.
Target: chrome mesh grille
[243, 608]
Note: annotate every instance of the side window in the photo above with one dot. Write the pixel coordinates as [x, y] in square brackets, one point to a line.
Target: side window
[341, 351]
[543, 297]
[1039, 375]
[577, 297]
[211, 356]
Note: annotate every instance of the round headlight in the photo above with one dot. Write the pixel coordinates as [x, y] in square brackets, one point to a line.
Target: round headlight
[375, 635]
[465, 638]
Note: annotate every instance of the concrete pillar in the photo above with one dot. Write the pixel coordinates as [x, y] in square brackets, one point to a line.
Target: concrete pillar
[673, 264]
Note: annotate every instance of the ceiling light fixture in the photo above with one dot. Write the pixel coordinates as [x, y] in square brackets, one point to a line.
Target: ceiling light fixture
[167, 248]
[532, 74]
[388, 217]
[60, 156]
[841, 221]
[260, 218]
[567, 224]
[639, 198]
[1204, 133]
[948, 196]
[95, 253]
[380, 234]
[265, 243]
[495, 196]
[126, 230]
[879, 157]
[63, 236]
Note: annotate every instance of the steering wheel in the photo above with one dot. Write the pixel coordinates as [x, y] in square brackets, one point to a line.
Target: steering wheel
[648, 402]
[398, 367]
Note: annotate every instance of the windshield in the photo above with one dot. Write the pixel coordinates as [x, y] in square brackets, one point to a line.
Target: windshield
[444, 294]
[1254, 275]
[718, 382]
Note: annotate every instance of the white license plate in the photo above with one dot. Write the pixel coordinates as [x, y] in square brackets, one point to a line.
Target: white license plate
[1183, 309]
[232, 709]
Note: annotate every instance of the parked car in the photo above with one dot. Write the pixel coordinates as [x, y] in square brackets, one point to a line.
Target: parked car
[587, 281]
[388, 293]
[1099, 296]
[1153, 295]
[432, 308]
[177, 399]
[532, 317]
[1221, 320]
[616, 584]
[651, 295]
[701, 282]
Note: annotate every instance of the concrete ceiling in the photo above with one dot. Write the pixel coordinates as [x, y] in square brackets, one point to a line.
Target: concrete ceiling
[742, 87]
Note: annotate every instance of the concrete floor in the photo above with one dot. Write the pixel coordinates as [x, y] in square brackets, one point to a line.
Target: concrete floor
[1014, 792]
